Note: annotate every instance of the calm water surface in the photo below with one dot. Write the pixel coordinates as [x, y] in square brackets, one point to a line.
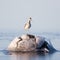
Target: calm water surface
[6, 38]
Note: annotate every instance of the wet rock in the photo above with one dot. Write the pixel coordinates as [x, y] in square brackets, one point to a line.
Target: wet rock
[27, 42]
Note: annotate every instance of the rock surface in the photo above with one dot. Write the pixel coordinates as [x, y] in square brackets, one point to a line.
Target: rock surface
[26, 42]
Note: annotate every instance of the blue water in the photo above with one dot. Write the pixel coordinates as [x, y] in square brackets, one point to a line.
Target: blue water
[7, 37]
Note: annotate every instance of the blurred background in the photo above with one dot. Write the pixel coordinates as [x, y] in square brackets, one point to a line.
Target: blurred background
[45, 15]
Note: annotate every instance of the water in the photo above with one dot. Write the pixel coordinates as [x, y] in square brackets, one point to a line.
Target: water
[7, 37]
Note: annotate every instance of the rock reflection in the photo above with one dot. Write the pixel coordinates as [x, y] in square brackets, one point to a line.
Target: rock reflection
[26, 55]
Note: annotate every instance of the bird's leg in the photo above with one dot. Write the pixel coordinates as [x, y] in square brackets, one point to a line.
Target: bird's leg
[28, 31]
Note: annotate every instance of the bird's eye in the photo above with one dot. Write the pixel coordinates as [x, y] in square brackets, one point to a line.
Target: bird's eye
[30, 18]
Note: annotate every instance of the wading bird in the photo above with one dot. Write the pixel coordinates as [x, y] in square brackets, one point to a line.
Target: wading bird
[28, 24]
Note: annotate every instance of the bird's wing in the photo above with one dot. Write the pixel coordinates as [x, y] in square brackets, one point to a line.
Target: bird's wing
[25, 25]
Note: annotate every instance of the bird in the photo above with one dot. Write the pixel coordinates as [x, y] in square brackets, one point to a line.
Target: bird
[28, 24]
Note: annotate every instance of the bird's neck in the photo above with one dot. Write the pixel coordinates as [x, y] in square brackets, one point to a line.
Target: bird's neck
[29, 21]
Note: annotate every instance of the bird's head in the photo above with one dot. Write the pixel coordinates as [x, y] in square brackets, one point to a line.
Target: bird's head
[30, 19]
